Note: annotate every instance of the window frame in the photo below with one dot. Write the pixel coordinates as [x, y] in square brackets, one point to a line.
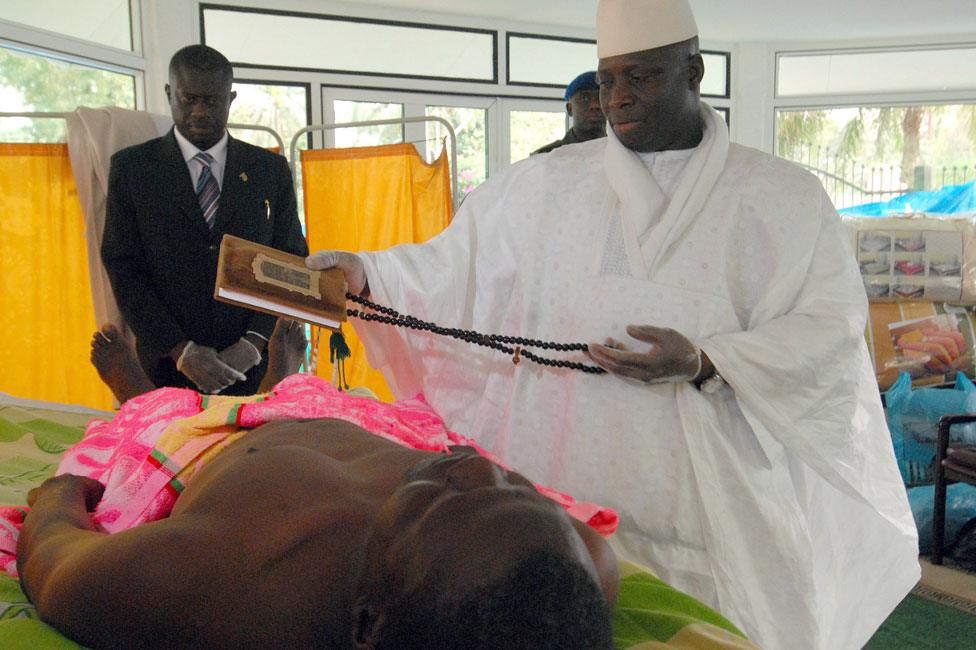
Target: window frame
[70, 49]
[308, 103]
[806, 97]
[359, 20]
[542, 37]
[826, 102]
[727, 95]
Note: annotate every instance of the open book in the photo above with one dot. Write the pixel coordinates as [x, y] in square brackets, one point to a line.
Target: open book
[263, 278]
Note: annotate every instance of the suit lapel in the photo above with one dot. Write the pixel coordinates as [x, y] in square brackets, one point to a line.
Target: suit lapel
[232, 190]
[177, 187]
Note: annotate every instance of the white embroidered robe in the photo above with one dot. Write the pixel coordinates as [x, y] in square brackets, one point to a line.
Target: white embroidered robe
[777, 499]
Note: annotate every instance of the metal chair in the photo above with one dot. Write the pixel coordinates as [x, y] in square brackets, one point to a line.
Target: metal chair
[951, 465]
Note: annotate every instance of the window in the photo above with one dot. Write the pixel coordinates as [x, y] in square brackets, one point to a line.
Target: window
[867, 154]
[875, 71]
[275, 39]
[282, 107]
[535, 60]
[716, 80]
[32, 82]
[529, 130]
[107, 22]
[471, 129]
[367, 136]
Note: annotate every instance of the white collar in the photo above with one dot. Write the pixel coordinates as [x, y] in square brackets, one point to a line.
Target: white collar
[189, 150]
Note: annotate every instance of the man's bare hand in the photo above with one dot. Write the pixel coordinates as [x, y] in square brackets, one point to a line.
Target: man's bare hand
[69, 486]
[670, 357]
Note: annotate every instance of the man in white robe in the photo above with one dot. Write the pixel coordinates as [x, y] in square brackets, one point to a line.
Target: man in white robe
[739, 433]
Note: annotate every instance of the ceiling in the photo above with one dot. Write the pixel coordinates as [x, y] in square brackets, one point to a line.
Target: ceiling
[735, 21]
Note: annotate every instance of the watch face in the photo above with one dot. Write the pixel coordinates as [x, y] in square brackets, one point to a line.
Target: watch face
[712, 384]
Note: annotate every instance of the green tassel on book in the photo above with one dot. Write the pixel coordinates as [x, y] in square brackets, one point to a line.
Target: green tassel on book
[338, 353]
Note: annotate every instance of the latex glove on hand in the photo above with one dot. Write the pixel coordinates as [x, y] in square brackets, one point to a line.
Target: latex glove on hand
[241, 356]
[349, 263]
[203, 367]
[671, 357]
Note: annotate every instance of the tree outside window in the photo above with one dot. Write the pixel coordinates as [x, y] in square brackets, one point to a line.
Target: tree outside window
[31, 82]
[872, 153]
[472, 142]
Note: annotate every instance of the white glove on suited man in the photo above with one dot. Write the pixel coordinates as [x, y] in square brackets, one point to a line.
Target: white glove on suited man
[349, 263]
[241, 356]
[201, 365]
[670, 358]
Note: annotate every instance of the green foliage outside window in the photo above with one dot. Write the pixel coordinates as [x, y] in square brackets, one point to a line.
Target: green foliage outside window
[30, 82]
[530, 130]
[472, 142]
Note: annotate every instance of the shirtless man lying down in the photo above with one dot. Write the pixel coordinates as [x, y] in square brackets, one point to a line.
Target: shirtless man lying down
[319, 534]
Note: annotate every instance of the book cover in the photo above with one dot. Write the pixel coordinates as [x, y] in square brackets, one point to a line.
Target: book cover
[265, 279]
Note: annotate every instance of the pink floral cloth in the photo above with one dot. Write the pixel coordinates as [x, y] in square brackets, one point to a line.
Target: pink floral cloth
[155, 443]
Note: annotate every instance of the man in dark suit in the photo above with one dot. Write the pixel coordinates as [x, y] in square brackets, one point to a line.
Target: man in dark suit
[170, 201]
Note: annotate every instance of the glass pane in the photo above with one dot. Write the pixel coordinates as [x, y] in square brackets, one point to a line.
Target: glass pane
[102, 21]
[871, 154]
[716, 82]
[472, 142]
[533, 60]
[280, 107]
[326, 43]
[30, 82]
[847, 73]
[529, 130]
[367, 136]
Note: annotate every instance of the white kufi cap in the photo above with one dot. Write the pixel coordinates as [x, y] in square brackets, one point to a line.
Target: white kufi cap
[626, 26]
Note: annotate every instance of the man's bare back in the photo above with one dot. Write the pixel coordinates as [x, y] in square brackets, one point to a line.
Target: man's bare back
[267, 546]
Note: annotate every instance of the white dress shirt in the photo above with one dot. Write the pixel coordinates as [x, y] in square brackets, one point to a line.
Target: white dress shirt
[218, 151]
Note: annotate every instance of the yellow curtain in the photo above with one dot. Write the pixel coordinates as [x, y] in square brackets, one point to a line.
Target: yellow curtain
[46, 313]
[366, 199]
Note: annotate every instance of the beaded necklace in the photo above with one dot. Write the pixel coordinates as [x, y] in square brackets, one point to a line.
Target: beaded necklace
[388, 316]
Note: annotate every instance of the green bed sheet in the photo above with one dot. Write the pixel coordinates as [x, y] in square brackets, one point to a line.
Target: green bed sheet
[648, 613]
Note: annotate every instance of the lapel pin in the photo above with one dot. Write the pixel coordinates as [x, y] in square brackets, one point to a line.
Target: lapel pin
[244, 176]
[267, 208]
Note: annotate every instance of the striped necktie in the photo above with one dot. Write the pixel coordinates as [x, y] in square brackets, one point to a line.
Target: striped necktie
[208, 192]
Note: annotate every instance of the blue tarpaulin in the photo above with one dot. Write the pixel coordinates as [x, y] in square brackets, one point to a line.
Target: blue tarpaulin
[948, 200]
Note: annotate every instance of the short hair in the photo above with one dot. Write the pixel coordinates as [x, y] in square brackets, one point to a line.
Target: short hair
[546, 602]
[201, 58]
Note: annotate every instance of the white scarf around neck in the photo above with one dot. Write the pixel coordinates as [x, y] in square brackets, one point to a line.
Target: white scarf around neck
[639, 195]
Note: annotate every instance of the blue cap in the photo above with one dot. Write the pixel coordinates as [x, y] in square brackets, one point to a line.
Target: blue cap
[586, 81]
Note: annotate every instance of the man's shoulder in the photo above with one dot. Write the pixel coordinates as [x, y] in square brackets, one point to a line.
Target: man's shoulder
[558, 173]
[555, 144]
[147, 150]
[248, 150]
[753, 164]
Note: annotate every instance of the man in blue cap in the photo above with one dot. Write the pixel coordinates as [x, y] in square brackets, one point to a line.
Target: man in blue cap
[583, 105]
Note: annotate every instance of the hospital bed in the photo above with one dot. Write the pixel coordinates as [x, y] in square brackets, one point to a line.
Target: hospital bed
[34, 435]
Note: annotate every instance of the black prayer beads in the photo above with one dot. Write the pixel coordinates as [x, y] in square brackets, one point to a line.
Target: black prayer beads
[389, 316]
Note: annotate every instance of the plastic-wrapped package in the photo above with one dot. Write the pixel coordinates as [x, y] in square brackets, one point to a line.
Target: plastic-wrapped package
[916, 257]
[930, 341]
